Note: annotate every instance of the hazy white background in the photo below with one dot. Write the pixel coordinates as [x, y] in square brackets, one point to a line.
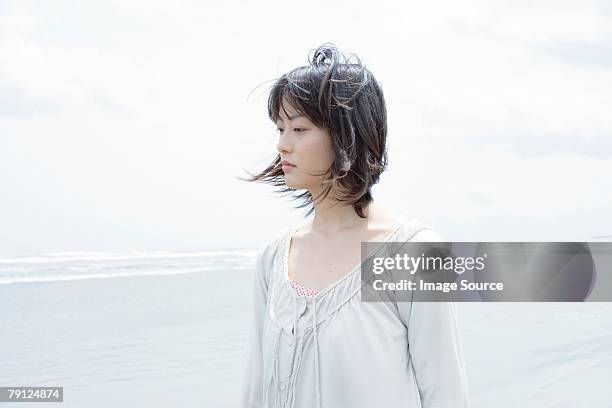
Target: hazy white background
[124, 124]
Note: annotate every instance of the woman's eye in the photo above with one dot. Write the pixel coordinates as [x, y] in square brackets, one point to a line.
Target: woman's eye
[298, 130]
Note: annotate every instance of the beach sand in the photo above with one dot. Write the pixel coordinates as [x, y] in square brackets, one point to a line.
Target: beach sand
[153, 341]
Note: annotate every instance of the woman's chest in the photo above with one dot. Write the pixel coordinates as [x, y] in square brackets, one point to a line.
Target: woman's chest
[319, 266]
[318, 263]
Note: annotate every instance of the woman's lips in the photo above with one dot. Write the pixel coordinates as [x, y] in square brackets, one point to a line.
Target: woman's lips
[287, 165]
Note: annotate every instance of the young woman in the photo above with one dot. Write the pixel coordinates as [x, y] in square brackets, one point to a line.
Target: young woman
[313, 342]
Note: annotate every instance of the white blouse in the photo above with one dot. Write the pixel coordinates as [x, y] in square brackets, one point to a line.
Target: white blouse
[334, 351]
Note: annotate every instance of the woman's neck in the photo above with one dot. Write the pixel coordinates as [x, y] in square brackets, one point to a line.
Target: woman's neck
[332, 217]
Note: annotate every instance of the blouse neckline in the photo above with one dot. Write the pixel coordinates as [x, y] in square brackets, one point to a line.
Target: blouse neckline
[351, 272]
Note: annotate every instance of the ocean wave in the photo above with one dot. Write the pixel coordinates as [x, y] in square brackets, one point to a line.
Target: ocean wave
[77, 256]
[7, 280]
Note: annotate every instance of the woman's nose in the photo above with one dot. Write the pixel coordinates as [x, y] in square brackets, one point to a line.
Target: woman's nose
[283, 145]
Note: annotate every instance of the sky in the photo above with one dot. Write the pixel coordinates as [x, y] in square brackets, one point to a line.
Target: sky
[124, 125]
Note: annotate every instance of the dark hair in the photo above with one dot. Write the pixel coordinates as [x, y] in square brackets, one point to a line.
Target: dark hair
[343, 97]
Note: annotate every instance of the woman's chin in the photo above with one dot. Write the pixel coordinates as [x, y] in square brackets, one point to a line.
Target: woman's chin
[293, 183]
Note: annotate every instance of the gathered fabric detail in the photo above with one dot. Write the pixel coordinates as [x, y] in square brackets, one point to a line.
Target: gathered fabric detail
[316, 354]
[274, 378]
[295, 371]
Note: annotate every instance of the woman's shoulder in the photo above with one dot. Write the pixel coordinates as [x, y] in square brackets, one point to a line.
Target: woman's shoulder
[408, 227]
[270, 252]
[273, 245]
[413, 229]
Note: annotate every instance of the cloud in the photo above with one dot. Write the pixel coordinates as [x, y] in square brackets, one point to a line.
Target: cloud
[129, 120]
[531, 79]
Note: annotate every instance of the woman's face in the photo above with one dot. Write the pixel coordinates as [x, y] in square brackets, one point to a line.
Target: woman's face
[307, 147]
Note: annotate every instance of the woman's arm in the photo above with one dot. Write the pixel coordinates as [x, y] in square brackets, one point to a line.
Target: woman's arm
[252, 392]
[437, 356]
[435, 348]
